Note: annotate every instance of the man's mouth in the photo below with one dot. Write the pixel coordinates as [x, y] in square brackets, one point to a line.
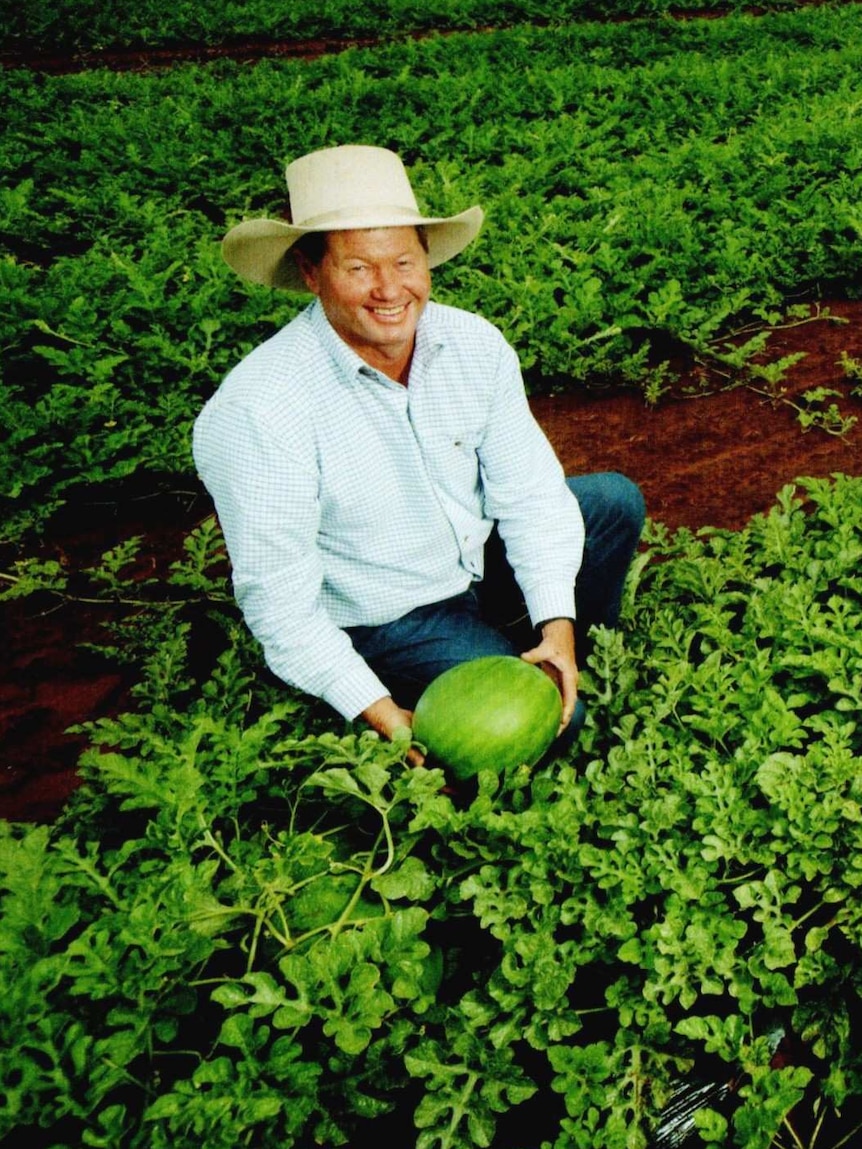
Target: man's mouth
[389, 312]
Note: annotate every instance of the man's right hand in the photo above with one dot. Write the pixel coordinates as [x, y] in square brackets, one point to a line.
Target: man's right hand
[386, 716]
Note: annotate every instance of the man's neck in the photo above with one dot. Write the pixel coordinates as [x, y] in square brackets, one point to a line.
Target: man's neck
[395, 366]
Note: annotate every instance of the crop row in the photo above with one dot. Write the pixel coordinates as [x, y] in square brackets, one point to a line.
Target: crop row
[648, 189]
[57, 26]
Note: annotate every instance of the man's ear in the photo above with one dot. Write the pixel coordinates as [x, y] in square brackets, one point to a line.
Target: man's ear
[307, 270]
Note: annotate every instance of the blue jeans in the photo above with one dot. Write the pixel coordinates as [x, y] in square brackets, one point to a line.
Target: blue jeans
[490, 618]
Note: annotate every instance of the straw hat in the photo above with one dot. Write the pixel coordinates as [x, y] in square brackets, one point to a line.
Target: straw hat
[341, 189]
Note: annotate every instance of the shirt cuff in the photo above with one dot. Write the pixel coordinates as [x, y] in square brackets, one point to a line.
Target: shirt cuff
[355, 692]
[550, 602]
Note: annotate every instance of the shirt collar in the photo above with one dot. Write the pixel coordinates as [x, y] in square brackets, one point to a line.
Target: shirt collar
[348, 363]
[429, 333]
[428, 342]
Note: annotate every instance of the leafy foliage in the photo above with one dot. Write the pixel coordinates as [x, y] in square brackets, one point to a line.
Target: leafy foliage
[55, 25]
[651, 190]
[249, 927]
[252, 928]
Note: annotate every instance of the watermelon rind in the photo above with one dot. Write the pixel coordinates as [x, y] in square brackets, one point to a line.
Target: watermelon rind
[496, 712]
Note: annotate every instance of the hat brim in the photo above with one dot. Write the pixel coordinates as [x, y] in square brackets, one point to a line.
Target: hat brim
[259, 249]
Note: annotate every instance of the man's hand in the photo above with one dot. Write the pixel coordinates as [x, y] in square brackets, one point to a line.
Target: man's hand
[555, 654]
[386, 716]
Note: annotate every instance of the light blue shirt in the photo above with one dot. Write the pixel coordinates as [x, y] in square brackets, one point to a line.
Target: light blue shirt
[347, 499]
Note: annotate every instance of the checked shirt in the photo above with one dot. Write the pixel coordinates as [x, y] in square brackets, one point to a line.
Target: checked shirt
[347, 499]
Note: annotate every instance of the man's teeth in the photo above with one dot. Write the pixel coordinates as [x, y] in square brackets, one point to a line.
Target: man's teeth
[389, 310]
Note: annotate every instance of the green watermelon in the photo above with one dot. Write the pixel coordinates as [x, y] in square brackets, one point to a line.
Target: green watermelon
[495, 712]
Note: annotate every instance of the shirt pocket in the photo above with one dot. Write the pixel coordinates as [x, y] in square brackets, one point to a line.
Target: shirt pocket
[453, 464]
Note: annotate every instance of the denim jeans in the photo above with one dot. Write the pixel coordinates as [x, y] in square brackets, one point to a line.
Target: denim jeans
[490, 618]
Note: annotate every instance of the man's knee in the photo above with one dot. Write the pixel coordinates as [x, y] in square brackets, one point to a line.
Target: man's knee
[629, 500]
[610, 500]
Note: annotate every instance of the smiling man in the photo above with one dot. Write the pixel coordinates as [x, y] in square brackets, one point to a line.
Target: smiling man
[390, 506]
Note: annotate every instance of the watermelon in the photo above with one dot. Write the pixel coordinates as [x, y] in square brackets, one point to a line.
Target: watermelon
[495, 712]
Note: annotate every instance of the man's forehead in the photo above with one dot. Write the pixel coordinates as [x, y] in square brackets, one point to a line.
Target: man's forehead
[376, 239]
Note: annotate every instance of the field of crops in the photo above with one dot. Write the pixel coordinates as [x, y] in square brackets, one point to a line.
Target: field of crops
[253, 926]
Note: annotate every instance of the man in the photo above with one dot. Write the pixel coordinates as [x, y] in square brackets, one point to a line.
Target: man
[367, 458]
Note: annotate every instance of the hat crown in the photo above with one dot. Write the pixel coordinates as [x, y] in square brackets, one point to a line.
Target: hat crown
[353, 186]
[348, 182]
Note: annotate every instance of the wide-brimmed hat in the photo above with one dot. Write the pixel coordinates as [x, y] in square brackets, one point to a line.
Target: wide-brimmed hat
[341, 189]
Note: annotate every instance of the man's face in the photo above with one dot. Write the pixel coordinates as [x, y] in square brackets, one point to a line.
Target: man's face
[373, 286]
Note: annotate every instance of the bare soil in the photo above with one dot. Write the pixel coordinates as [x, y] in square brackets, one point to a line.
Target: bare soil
[712, 460]
[716, 459]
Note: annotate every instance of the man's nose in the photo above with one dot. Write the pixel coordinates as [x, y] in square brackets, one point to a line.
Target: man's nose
[386, 283]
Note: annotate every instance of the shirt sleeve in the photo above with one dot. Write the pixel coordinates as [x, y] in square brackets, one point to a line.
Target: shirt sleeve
[525, 491]
[266, 498]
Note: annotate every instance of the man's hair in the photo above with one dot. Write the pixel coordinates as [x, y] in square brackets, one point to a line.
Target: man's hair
[313, 244]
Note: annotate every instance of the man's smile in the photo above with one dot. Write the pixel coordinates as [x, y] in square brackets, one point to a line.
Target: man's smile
[390, 312]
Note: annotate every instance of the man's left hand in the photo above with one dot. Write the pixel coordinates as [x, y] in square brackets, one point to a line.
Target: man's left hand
[555, 654]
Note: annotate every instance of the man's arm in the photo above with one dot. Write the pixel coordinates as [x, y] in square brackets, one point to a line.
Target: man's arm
[525, 492]
[265, 494]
